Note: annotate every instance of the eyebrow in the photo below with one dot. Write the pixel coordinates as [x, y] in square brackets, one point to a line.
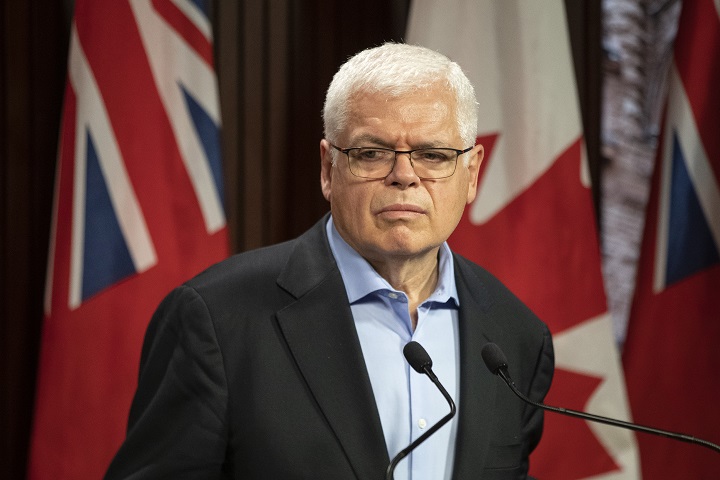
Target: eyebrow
[369, 139]
[365, 139]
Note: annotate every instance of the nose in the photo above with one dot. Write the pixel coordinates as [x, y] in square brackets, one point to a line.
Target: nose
[403, 173]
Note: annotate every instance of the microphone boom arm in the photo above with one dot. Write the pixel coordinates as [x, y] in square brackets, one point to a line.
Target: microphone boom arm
[503, 373]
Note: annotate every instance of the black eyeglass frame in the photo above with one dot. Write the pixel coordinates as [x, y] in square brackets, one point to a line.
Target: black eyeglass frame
[346, 151]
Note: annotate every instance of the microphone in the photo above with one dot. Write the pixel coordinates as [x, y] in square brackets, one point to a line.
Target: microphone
[496, 362]
[419, 359]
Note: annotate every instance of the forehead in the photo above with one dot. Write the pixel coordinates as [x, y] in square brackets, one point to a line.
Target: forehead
[415, 112]
[437, 93]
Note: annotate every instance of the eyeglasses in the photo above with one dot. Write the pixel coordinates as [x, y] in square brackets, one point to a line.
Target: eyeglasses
[376, 163]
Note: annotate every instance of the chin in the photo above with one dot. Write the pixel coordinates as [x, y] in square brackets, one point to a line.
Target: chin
[407, 247]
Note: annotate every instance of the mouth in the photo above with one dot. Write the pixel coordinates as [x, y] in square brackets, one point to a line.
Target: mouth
[399, 210]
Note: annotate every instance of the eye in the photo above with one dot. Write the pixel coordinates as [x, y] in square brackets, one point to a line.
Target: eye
[434, 155]
[372, 154]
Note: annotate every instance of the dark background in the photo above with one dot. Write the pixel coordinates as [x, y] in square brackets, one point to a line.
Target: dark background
[274, 61]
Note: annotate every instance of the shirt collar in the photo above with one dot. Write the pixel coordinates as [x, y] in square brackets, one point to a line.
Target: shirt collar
[361, 279]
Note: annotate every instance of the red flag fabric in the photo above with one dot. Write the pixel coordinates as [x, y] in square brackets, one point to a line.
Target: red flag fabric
[137, 210]
[532, 223]
[671, 353]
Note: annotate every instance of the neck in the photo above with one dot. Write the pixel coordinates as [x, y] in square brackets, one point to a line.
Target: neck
[417, 277]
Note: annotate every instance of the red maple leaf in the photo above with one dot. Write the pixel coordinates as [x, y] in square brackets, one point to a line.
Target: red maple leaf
[543, 245]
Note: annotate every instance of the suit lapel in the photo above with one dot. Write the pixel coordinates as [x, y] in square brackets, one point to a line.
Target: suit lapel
[320, 333]
[477, 385]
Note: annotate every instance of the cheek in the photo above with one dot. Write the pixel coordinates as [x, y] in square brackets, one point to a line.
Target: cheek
[449, 207]
[350, 202]
[449, 198]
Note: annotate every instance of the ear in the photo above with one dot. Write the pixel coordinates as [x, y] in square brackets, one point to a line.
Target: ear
[326, 168]
[476, 157]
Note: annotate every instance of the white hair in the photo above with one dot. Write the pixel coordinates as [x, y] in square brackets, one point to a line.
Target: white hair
[396, 69]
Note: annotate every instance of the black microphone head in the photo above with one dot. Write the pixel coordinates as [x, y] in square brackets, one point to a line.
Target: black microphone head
[417, 356]
[494, 358]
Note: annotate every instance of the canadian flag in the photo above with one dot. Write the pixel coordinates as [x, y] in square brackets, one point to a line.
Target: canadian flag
[532, 223]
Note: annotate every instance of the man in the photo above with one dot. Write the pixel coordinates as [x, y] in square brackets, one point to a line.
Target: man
[286, 362]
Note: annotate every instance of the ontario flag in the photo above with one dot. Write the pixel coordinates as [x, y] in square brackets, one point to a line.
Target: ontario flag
[532, 223]
[137, 210]
[671, 355]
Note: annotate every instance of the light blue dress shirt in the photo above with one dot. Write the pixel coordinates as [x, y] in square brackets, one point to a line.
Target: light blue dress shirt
[408, 402]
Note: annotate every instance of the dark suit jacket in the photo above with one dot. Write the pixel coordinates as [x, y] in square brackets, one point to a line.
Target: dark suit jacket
[253, 370]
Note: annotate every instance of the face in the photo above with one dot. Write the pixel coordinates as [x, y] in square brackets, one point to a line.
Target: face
[400, 216]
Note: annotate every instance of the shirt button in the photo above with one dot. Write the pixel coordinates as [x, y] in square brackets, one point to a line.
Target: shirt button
[422, 423]
[393, 295]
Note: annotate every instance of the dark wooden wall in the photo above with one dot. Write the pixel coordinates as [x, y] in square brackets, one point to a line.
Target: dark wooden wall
[274, 62]
[33, 56]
